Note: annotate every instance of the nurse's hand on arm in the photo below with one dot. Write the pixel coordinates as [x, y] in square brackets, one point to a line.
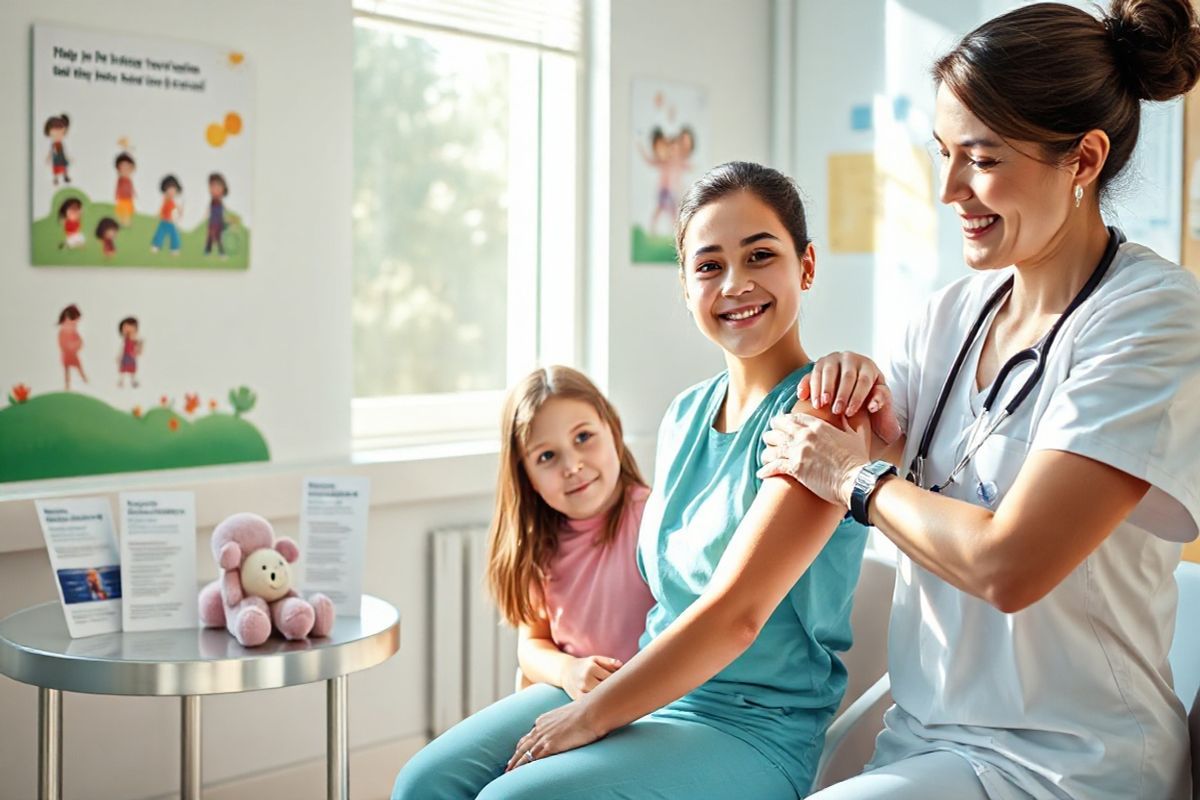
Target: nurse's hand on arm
[783, 532]
[542, 662]
[1061, 507]
[846, 382]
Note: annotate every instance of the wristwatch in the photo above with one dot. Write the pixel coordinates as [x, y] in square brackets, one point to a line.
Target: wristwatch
[864, 486]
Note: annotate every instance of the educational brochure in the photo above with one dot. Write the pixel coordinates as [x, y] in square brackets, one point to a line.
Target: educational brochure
[83, 554]
[158, 555]
[333, 539]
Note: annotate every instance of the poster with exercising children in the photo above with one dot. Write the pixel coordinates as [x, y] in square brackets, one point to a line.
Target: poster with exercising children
[141, 152]
[670, 139]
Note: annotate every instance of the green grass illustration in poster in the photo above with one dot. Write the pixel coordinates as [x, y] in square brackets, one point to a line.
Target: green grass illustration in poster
[133, 243]
[63, 434]
[649, 249]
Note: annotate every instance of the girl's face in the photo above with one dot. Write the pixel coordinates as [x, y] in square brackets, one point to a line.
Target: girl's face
[741, 275]
[57, 134]
[125, 169]
[1012, 207]
[216, 189]
[572, 460]
[74, 212]
[129, 330]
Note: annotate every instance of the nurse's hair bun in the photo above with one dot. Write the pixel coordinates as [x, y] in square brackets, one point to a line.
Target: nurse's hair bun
[1156, 44]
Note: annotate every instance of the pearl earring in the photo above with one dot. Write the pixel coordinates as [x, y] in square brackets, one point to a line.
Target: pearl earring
[1078, 195]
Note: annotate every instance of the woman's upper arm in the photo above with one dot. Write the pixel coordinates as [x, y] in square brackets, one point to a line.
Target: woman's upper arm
[1061, 507]
[779, 537]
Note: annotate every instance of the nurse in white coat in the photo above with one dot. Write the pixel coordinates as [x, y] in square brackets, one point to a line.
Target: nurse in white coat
[1035, 600]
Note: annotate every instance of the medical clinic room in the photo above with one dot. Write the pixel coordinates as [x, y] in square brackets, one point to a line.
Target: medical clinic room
[600, 400]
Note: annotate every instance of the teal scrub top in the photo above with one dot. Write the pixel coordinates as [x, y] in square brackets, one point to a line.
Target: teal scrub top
[780, 694]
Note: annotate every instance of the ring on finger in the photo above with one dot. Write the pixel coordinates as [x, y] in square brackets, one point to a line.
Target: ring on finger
[528, 755]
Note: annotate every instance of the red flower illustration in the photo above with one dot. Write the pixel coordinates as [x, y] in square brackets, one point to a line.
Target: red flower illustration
[191, 402]
[137, 411]
[173, 423]
[20, 393]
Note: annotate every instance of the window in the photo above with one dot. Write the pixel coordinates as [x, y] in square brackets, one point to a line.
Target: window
[465, 211]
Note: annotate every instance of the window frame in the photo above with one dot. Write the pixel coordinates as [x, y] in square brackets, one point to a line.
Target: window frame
[544, 309]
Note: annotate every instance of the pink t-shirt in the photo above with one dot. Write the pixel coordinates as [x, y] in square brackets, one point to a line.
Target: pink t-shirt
[595, 597]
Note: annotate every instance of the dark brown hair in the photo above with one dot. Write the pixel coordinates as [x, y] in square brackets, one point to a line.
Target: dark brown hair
[52, 123]
[124, 158]
[524, 532]
[771, 186]
[1048, 73]
[105, 225]
[216, 177]
[70, 312]
[67, 205]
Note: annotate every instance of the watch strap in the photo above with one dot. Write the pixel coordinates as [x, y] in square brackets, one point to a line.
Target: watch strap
[865, 483]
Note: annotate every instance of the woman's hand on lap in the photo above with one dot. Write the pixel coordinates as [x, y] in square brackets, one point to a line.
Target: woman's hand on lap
[847, 382]
[586, 673]
[556, 731]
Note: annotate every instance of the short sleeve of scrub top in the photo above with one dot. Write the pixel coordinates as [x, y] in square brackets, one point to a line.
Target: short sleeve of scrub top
[1132, 396]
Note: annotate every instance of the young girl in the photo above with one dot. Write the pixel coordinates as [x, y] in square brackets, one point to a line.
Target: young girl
[738, 674]
[568, 503]
[561, 565]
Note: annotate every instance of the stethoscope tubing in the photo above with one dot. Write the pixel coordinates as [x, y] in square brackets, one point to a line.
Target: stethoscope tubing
[1037, 354]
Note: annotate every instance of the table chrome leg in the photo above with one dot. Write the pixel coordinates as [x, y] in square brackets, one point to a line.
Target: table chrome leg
[336, 763]
[49, 744]
[189, 749]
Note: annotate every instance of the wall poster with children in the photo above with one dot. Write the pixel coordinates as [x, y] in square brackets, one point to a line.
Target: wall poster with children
[142, 152]
[670, 139]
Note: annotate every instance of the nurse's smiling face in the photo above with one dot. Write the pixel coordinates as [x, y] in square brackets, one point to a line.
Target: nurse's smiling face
[742, 276]
[1012, 207]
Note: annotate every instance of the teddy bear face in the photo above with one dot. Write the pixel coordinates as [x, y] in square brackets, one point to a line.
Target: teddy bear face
[265, 574]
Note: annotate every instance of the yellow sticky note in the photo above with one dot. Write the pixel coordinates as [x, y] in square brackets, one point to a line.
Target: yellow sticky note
[852, 202]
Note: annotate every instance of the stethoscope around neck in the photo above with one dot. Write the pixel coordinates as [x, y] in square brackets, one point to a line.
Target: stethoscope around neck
[979, 432]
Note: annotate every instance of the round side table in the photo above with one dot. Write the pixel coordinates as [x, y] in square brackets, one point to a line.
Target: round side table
[35, 648]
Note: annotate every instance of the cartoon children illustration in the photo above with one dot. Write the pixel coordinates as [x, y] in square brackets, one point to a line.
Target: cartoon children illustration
[219, 189]
[70, 214]
[168, 216]
[70, 343]
[660, 158]
[56, 129]
[123, 208]
[131, 348]
[106, 232]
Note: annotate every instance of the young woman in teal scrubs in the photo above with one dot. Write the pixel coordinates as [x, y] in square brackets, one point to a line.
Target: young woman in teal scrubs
[738, 675]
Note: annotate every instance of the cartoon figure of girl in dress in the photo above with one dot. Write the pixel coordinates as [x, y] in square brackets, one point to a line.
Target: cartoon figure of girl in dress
[70, 343]
[70, 214]
[131, 348]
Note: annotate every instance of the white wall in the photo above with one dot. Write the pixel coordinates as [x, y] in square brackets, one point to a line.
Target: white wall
[655, 350]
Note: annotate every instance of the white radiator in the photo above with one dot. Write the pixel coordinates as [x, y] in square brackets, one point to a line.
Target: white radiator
[474, 652]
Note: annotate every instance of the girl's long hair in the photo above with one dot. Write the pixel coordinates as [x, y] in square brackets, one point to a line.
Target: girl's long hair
[524, 531]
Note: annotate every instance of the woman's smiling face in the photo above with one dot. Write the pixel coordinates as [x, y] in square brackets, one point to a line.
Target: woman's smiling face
[1011, 205]
[741, 274]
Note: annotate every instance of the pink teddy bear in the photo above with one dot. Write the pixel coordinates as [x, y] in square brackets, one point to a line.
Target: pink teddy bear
[254, 589]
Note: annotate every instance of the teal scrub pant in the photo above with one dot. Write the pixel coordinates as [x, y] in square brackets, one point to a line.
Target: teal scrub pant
[652, 759]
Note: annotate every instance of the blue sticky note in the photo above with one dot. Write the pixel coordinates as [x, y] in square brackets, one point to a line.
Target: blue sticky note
[860, 118]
